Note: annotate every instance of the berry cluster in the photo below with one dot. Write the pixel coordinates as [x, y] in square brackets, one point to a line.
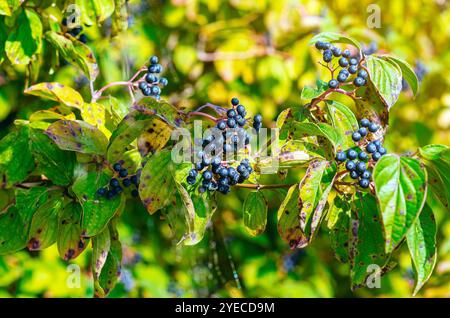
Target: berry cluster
[356, 161]
[152, 84]
[349, 65]
[115, 188]
[228, 137]
[75, 31]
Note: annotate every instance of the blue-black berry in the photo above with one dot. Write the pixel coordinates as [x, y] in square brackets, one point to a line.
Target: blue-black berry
[135, 193]
[360, 167]
[382, 150]
[231, 113]
[362, 73]
[373, 127]
[364, 183]
[362, 131]
[376, 156]
[126, 182]
[163, 81]
[327, 56]
[134, 179]
[356, 136]
[362, 156]
[352, 69]
[352, 154]
[114, 182]
[343, 62]
[354, 175]
[359, 81]
[346, 53]
[117, 166]
[234, 101]
[365, 122]
[102, 191]
[350, 165]
[154, 59]
[371, 148]
[336, 51]
[353, 61]
[366, 174]
[123, 173]
[341, 156]
[333, 83]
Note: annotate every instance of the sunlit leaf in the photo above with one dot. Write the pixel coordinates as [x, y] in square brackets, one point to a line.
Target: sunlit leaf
[421, 241]
[401, 185]
[75, 52]
[25, 39]
[57, 92]
[16, 161]
[255, 213]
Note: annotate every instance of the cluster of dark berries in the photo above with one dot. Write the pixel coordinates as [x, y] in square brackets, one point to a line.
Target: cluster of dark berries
[349, 65]
[75, 31]
[152, 83]
[229, 136]
[119, 181]
[356, 161]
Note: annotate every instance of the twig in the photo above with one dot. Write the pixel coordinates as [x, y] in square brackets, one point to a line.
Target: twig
[263, 186]
[212, 118]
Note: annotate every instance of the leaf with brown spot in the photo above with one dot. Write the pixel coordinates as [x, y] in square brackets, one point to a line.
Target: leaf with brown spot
[157, 184]
[101, 244]
[16, 220]
[112, 267]
[400, 184]
[154, 138]
[97, 211]
[95, 114]
[289, 218]
[75, 52]
[77, 135]
[16, 160]
[57, 92]
[366, 240]
[69, 239]
[44, 225]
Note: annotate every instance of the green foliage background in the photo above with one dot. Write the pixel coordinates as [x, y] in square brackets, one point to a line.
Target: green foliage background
[256, 50]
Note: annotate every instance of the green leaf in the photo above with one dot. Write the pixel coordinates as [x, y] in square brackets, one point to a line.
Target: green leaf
[255, 213]
[7, 7]
[101, 244]
[421, 241]
[301, 130]
[111, 269]
[334, 38]
[157, 184]
[401, 186]
[16, 220]
[55, 164]
[407, 72]
[289, 218]
[152, 119]
[77, 135]
[25, 40]
[370, 105]
[44, 225]
[57, 92]
[339, 226]
[69, 239]
[367, 244]
[95, 114]
[437, 161]
[386, 76]
[199, 208]
[16, 161]
[311, 93]
[93, 11]
[97, 211]
[51, 115]
[314, 188]
[343, 119]
[75, 52]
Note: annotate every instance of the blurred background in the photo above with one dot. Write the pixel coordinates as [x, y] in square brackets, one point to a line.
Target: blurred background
[256, 50]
